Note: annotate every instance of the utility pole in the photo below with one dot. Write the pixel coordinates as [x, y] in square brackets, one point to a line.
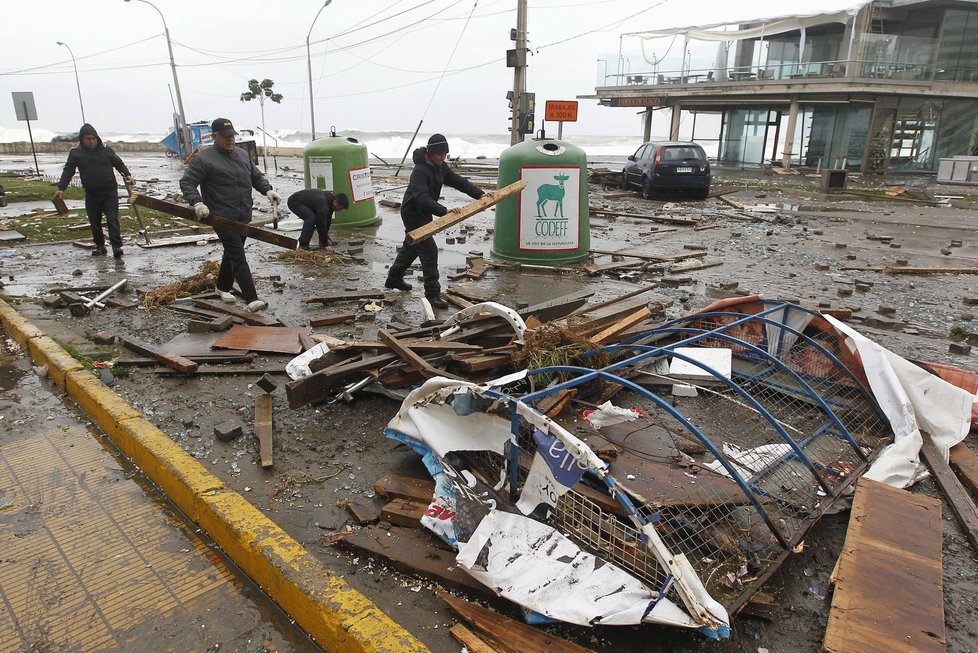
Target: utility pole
[518, 61]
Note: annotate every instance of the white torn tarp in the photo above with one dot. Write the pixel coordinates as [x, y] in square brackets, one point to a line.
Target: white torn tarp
[607, 414]
[913, 400]
[298, 367]
[507, 543]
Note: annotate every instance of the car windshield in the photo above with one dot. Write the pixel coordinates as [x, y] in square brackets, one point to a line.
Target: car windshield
[682, 153]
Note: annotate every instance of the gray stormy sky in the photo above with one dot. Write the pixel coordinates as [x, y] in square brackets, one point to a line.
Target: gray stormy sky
[377, 65]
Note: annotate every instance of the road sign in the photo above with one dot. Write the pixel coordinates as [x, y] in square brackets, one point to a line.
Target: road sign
[24, 105]
[562, 110]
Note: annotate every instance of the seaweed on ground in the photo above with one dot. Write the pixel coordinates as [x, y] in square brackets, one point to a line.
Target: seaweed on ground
[202, 281]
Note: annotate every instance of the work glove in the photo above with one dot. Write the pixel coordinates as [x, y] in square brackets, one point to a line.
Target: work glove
[273, 197]
[201, 210]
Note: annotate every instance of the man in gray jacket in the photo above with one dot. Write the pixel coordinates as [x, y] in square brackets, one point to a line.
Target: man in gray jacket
[226, 175]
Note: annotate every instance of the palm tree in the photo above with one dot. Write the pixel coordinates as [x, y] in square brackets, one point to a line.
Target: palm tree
[261, 91]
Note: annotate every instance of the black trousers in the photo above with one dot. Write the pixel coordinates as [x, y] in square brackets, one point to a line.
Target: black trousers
[427, 251]
[234, 265]
[311, 222]
[100, 203]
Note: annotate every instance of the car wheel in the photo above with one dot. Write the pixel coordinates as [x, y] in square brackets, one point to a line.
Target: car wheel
[703, 194]
[648, 192]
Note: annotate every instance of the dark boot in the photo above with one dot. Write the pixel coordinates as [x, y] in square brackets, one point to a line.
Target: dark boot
[397, 284]
[437, 301]
[99, 251]
[117, 252]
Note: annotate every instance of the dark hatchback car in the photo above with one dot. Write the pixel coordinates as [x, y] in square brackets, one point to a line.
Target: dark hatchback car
[668, 165]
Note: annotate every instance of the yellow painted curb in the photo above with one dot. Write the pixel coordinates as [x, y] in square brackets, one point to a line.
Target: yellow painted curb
[14, 323]
[45, 351]
[336, 615]
[323, 604]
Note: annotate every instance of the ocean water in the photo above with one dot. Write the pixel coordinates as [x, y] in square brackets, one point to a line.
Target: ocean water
[389, 146]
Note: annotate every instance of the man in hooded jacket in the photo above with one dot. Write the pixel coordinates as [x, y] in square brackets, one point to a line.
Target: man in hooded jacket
[420, 203]
[94, 162]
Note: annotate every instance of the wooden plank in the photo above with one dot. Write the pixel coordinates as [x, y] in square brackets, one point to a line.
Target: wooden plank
[187, 213]
[414, 361]
[965, 463]
[511, 636]
[658, 258]
[356, 295]
[633, 293]
[364, 513]
[224, 370]
[332, 319]
[911, 270]
[451, 219]
[416, 552]
[957, 497]
[472, 642]
[404, 512]
[482, 362]
[595, 269]
[692, 266]
[668, 219]
[178, 363]
[622, 325]
[393, 486]
[276, 340]
[889, 595]
[551, 405]
[413, 343]
[263, 428]
[313, 388]
[249, 317]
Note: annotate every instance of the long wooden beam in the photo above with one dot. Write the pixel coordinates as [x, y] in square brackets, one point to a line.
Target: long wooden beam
[451, 219]
[187, 213]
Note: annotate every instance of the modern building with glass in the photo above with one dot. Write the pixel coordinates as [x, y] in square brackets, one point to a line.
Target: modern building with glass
[882, 86]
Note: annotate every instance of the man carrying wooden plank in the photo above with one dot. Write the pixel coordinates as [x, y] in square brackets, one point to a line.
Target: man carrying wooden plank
[420, 203]
[226, 175]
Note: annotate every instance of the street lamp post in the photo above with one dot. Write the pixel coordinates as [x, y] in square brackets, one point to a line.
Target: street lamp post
[77, 83]
[176, 83]
[312, 107]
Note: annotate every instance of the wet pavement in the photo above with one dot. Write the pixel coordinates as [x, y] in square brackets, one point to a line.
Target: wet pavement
[93, 557]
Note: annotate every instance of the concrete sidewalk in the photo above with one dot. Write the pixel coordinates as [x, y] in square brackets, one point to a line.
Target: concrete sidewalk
[93, 562]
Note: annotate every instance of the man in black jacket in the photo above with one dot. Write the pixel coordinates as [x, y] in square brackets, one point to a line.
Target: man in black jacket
[420, 203]
[94, 162]
[316, 208]
[226, 175]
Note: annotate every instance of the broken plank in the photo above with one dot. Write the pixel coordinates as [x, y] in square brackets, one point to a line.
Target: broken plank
[596, 269]
[889, 594]
[364, 513]
[472, 642]
[668, 219]
[173, 361]
[693, 266]
[622, 325]
[313, 388]
[394, 486]
[276, 340]
[263, 428]
[658, 258]
[355, 295]
[551, 405]
[511, 636]
[404, 512]
[482, 362]
[414, 361]
[590, 309]
[912, 270]
[729, 202]
[452, 218]
[224, 370]
[954, 493]
[413, 551]
[186, 212]
[249, 317]
[965, 463]
[421, 345]
[333, 319]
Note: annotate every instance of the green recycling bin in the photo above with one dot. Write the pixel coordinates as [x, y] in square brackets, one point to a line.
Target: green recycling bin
[339, 164]
[548, 222]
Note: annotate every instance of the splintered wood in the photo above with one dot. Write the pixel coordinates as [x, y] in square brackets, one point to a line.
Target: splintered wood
[889, 594]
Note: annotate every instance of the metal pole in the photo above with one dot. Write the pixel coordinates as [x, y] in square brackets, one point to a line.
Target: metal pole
[176, 83]
[37, 168]
[312, 105]
[519, 73]
[77, 83]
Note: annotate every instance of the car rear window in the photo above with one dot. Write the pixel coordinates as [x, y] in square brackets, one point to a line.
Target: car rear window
[682, 153]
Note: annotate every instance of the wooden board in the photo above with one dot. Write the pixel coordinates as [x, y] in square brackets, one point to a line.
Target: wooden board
[178, 363]
[622, 325]
[413, 551]
[889, 594]
[508, 635]
[414, 361]
[404, 512]
[957, 497]
[472, 642]
[276, 340]
[393, 486]
[965, 463]
[315, 387]
[187, 213]
[415, 236]
[332, 319]
[228, 309]
[263, 428]
[343, 297]
[668, 219]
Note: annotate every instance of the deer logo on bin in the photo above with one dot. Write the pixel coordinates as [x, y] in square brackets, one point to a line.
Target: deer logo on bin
[553, 192]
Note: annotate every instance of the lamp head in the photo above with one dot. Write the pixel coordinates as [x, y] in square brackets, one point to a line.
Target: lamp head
[60, 43]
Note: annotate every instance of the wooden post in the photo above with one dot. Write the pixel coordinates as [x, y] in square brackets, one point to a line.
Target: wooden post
[415, 236]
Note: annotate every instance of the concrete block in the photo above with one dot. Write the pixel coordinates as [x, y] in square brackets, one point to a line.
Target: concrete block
[684, 390]
[267, 383]
[959, 348]
[228, 431]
